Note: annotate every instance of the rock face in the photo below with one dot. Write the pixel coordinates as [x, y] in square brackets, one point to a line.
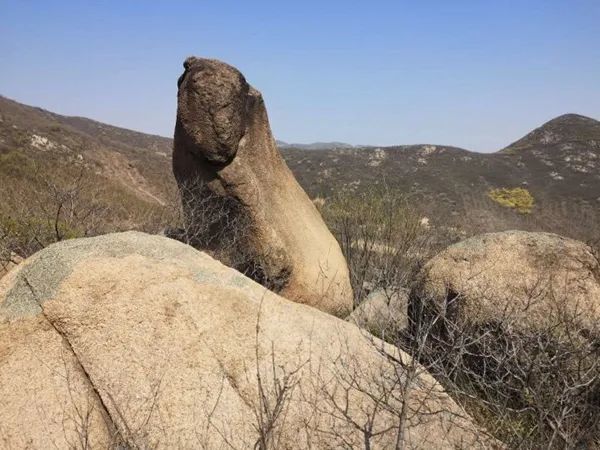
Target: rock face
[530, 278]
[223, 142]
[381, 312]
[142, 341]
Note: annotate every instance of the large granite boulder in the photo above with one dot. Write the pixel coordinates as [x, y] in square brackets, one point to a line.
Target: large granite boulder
[513, 320]
[531, 279]
[141, 341]
[224, 151]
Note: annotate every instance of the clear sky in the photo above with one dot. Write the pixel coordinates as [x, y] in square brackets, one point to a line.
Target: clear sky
[471, 73]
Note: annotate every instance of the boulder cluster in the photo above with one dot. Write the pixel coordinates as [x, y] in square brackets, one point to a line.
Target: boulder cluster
[130, 340]
[141, 341]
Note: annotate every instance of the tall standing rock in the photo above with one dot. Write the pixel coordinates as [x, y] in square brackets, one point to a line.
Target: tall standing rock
[223, 143]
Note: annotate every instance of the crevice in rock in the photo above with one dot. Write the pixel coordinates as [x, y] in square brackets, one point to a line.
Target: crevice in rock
[108, 419]
[233, 383]
[227, 375]
[452, 304]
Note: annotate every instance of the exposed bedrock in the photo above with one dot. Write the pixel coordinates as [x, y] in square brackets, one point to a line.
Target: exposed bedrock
[136, 341]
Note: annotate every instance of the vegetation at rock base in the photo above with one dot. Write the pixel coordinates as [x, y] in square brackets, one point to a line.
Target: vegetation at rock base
[381, 236]
[507, 380]
[44, 202]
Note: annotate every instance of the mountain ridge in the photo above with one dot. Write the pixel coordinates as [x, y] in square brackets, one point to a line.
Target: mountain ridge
[566, 128]
[558, 163]
[82, 124]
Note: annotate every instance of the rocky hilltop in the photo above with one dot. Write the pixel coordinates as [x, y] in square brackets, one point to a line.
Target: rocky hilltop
[133, 340]
[131, 161]
[557, 164]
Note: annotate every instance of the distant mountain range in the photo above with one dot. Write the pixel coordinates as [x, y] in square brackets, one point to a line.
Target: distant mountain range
[315, 145]
[558, 164]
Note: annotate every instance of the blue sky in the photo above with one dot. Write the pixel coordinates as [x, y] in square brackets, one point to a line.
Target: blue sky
[471, 73]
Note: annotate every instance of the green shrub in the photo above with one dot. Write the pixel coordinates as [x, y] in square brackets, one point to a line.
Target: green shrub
[518, 199]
